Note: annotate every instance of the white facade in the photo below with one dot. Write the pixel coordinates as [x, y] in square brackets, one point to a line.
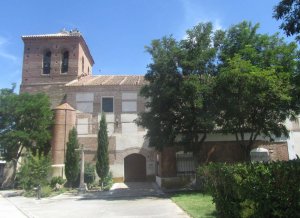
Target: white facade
[294, 138]
[126, 137]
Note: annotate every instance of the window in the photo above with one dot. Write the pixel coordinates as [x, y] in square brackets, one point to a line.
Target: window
[129, 102]
[84, 102]
[107, 104]
[65, 62]
[185, 163]
[47, 62]
[82, 126]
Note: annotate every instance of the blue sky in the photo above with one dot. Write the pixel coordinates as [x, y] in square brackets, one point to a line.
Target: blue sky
[117, 31]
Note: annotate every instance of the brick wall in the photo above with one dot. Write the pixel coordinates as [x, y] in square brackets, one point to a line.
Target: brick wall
[34, 50]
[221, 151]
[53, 84]
[63, 123]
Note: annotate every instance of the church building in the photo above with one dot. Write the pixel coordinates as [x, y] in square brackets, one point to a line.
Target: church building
[60, 65]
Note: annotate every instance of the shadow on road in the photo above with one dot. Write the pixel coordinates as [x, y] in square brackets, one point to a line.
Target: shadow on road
[126, 191]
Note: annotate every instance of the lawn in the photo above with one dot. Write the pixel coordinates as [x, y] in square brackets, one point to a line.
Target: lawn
[195, 204]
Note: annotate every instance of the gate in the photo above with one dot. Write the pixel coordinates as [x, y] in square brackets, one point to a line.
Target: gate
[135, 168]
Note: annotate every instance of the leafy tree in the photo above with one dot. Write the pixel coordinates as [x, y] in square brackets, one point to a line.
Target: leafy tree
[25, 123]
[164, 79]
[34, 171]
[186, 81]
[179, 89]
[262, 61]
[72, 158]
[196, 112]
[199, 49]
[261, 50]
[252, 102]
[102, 163]
[289, 12]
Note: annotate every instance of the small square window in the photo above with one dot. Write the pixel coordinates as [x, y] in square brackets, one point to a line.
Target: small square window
[107, 105]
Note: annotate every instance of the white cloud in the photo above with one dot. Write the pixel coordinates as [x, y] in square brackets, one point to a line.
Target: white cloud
[217, 25]
[4, 53]
[194, 14]
[7, 55]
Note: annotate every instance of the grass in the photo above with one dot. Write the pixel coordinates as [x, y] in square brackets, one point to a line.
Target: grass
[195, 204]
[46, 191]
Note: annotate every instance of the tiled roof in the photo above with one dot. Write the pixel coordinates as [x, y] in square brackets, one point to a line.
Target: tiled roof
[108, 80]
[64, 106]
[62, 33]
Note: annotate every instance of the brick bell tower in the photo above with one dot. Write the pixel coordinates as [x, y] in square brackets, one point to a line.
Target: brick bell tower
[52, 60]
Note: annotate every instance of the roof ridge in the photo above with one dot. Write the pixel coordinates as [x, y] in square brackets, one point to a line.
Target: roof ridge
[64, 106]
[92, 79]
[125, 78]
[61, 33]
[109, 78]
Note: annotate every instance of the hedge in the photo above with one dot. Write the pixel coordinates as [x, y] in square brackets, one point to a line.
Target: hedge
[259, 190]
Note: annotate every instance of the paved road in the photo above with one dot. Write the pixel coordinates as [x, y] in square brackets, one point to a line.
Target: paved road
[125, 200]
[8, 210]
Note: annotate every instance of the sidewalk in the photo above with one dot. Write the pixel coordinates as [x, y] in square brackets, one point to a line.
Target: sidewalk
[143, 200]
[8, 210]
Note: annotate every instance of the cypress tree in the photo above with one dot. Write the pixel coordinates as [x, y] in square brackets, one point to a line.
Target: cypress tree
[72, 158]
[102, 164]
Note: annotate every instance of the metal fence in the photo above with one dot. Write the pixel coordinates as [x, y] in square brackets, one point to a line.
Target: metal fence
[185, 163]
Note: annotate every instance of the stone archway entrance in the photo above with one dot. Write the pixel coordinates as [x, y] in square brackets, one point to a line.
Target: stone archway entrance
[135, 168]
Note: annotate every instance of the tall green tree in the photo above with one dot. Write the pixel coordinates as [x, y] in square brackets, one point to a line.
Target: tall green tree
[179, 88]
[199, 49]
[25, 123]
[72, 158]
[289, 12]
[247, 56]
[102, 163]
[262, 50]
[252, 102]
[192, 83]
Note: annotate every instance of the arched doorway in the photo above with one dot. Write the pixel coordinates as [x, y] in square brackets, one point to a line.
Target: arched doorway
[135, 168]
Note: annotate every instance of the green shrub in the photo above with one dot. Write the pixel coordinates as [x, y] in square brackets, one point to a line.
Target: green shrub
[30, 193]
[57, 180]
[107, 182]
[89, 173]
[46, 191]
[34, 171]
[254, 189]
